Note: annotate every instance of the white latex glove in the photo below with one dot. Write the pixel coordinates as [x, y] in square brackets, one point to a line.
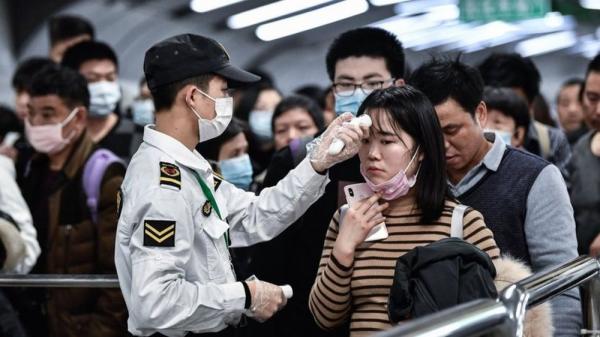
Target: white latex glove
[340, 129]
[267, 299]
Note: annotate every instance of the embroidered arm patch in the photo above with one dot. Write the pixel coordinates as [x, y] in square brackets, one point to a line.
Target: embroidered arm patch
[159, 233]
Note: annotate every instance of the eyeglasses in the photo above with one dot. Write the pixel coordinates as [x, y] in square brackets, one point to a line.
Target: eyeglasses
[346, 89]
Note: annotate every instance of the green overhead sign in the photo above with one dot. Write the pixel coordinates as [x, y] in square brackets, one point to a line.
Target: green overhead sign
[506, 10]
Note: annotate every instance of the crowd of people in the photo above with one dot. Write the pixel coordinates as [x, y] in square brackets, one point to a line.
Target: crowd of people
[212, 188]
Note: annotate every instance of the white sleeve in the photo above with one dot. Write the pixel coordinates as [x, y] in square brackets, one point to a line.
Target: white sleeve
[162, 298]
[253, 219]
[13, 204]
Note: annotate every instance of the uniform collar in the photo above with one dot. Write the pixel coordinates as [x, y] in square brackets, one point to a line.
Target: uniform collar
[176, 150]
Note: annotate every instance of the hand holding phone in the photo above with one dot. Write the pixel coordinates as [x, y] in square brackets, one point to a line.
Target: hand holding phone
[358, 192]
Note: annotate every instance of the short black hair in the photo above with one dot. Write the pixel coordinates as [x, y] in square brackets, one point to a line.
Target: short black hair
[63, 27]
[302, 102]
[594, 66]
[442, 79]
[70, 86]
[210, 148]
[509, 103]
[512, 70]
[21, 80]
[367, 41]
[85, 51]
[410, 110]
[164, 96]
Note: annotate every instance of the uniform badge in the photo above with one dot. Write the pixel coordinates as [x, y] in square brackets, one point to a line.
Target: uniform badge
[206, 208]
[159, 233]
[170, 175]
[119, 203]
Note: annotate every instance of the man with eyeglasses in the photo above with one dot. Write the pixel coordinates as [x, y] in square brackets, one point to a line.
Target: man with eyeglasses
[358, 62]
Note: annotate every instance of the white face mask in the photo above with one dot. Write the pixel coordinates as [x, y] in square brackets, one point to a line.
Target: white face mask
[213, 128]
[49, 138]
[104, 96]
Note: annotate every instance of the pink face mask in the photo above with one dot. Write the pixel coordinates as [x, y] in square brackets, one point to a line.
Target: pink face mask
[396, 187]
[48, 139]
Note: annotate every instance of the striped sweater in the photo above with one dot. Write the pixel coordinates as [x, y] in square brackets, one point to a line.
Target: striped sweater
[360, 292]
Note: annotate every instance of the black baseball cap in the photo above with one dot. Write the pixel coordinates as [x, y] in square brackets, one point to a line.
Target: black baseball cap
[188, 55]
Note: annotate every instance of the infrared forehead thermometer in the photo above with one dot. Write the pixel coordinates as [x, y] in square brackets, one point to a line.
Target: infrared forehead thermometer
[337, 145]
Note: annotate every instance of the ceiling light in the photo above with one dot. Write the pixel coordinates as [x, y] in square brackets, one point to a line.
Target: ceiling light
[385, 2]
[547, 43]
[270, 11]
[309, 20]
[590, 4]
[203, 6]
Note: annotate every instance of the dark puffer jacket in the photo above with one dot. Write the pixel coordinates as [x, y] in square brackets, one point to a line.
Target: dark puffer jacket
[73, 244]
[438, 276]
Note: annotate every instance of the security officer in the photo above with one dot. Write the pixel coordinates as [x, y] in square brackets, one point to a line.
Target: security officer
[177, 219]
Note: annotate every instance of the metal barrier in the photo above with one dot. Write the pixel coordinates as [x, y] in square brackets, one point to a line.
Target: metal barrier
[507, 313]
[59, 281]
[469, 319]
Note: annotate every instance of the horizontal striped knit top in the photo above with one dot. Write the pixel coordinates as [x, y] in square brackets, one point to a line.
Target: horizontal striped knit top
[360, 292]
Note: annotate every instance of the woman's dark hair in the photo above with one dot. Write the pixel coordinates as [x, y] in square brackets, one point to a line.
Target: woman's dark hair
[302, 102]
[410, 110]
[210, 148]
[509, 103]
[249, 95]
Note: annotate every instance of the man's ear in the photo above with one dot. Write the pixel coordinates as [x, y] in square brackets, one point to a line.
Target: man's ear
[399, 82]
[481, 114]
[188, 95]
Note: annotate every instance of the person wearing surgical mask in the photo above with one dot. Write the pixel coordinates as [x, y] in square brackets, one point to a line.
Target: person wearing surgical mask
[178, 218]
[98, 63]
[53, 187]
[508, 115]
[403, 164]
[141, 112]
[229, 153]
[255, 105]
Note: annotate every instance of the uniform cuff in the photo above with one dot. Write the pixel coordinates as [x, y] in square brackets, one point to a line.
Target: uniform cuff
[235, 296]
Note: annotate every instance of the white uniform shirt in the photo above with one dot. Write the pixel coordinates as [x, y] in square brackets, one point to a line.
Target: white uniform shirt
[13, 204]
[171, 254]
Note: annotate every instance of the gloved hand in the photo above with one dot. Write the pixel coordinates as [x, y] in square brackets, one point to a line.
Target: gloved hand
[352, 136]
[267, 299]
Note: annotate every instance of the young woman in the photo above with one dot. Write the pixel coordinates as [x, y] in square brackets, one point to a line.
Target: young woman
[403, 161]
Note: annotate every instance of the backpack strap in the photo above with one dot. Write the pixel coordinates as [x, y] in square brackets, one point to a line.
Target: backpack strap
[544, 138]
[456, 227]
[93, 172]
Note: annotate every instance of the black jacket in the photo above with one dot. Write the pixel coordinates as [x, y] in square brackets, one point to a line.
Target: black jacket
[438, 276]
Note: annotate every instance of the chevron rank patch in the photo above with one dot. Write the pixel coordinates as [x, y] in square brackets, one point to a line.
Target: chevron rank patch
[159, 233]
[170, 175]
